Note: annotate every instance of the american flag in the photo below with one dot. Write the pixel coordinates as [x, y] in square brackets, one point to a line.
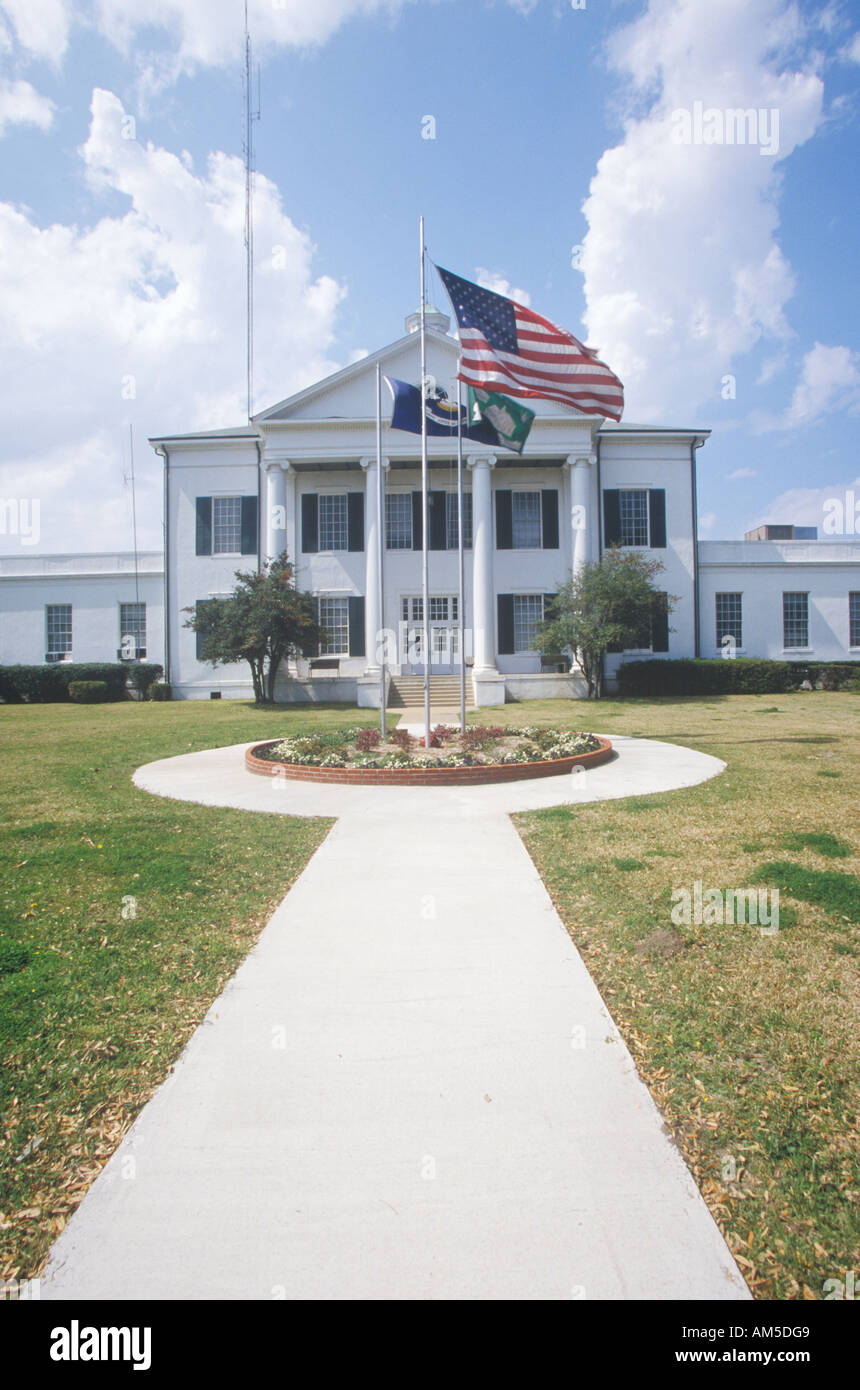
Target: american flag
[506, 347]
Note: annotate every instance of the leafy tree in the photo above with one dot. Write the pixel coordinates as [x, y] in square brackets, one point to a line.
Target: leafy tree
[264, 620]
[610, 603]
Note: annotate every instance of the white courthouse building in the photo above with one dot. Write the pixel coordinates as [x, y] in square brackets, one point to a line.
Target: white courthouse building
[302, 478]
[81, 607]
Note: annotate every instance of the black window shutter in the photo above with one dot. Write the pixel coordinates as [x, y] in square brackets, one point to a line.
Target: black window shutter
[249, 525]
[549, 512]
[355, 520]
[310, 523]
[611, 517]
[506, 623]
[660, 630]
[356, 626]
[437, 522]
[504, 520]
[549, 609]
[204, 526]
[417, 522]
[657, 519]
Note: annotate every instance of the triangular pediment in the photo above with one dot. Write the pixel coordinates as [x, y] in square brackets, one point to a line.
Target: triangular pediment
[350, 394]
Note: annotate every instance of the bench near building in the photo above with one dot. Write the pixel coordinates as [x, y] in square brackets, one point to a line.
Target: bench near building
[302, 478]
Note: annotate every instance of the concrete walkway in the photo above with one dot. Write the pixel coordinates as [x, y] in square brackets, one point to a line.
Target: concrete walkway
[411, 1089]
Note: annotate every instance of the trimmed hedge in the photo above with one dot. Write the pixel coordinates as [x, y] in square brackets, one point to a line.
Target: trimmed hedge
[142, 674]
[739, 676]
[88, 692]
[44, 685]
[160, 690]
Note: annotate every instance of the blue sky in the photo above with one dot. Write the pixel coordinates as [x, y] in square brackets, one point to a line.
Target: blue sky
[717, 280]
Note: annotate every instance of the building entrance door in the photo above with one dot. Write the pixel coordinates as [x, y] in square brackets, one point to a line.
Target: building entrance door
[444, 635]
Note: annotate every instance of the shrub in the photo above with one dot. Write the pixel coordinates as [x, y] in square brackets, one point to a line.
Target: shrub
[401, 738]
[833, 675]
[88, 692]
[741, 676]
[49, 684]
[160, 690]
[366, 740]
[143, 674]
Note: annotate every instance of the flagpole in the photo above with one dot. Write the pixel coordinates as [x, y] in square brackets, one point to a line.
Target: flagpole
[380, 531]
[425, 571]
[460, 555]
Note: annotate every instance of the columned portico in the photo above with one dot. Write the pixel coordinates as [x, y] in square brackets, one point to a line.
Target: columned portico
[373, 614]
[582, 508]
[483, 617]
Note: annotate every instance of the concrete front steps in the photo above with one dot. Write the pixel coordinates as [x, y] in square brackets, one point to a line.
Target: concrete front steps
[407, 692]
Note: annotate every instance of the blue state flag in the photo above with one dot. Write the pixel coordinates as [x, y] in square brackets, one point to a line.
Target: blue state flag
[440, 413]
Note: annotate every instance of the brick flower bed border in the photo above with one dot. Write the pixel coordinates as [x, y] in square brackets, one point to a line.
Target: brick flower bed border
[426, 777]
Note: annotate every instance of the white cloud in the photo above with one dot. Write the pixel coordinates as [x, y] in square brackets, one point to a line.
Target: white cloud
[852, 49]
[173, 36]
[707, 522]
[150, 301]
[771, 367]
[683, 270]
[741, 473]
[492, 281]
[806, 506]
[829, 382]
[21, 104]
[40, 26]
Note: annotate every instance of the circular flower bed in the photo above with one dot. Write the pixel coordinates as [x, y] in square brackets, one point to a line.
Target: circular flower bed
[482, 753]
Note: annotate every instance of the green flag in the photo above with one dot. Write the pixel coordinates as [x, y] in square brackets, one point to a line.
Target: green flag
[510, 420]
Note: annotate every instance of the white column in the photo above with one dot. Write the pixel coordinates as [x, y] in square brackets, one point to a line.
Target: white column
[373, 610]
[582, 518]
[483, 617]
[276, 508]
[291, 532]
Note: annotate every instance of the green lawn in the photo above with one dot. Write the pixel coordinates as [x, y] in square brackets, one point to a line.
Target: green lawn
[96, 1005]
[750, 1044]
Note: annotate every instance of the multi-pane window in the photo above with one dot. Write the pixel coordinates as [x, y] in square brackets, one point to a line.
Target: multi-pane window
[58, 622]
[795, 620]
[443, 608]
[398, 521]
[633, 510]
[226, 525]
[333, 521]
[854, 619]
[525, 520]
[452, 517]
[132, 624]
[528, 612]
[334, 621]
[729, 618]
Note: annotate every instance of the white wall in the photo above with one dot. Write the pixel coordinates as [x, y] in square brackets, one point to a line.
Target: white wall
[204, 469]
[659, 461]
[95, 586]
[762, 571]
